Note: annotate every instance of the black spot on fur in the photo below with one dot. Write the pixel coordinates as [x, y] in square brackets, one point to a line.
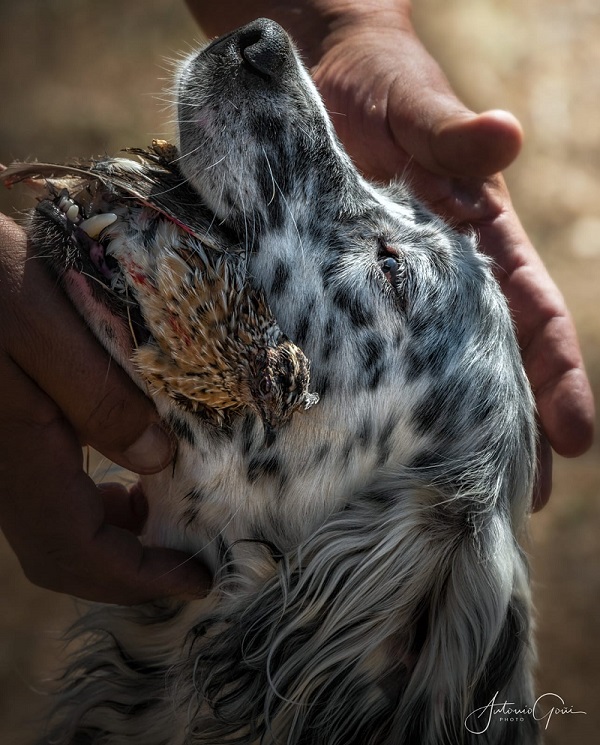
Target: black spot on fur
[359, 314]
[108, 330]
[303, 325]
[330, 268]
[321, 453]
[330, 342]
[365, 432]
[482, 413]
[380, 497]
[427, 347]
[372, 350]
[425, 460]
[321, 383]
[375, 377]
[384, 438]
[421, 215]
[347, 449]
[438, 412]
[218, 433]
[421, 360]
[196, 496]
[189, 516]
[263, 466]
[281, 278]
[182, 429]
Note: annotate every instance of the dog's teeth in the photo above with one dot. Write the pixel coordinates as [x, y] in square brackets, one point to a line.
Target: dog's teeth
[65, 203]
[72, 213]
[93, 226]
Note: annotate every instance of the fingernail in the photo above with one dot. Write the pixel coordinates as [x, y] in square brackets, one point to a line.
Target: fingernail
[152, 452]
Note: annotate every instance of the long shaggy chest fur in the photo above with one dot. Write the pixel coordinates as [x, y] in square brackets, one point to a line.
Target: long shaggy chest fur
[369, 586]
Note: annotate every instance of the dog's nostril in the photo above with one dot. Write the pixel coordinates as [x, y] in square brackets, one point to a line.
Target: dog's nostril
[264, 47]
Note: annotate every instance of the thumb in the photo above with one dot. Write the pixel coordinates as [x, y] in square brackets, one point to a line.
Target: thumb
[452, 141]
[432, 125]
[472, 145]
[394, 108]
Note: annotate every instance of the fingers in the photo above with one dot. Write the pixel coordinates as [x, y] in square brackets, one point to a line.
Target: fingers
[467, 144]
[45, 336]
[123, 507]
[56, 519]
[564, 398]
[429, 122]
[543, 485]
[546, 333]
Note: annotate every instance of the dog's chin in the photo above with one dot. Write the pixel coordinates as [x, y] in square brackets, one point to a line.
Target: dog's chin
[208, 177]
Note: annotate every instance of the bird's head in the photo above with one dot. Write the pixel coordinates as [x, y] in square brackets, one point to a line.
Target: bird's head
[279, 382]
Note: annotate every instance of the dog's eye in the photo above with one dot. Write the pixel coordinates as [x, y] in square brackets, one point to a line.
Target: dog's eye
[390, 265]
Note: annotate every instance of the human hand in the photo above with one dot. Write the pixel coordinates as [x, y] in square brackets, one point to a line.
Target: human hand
[397, 116]
[59, 389]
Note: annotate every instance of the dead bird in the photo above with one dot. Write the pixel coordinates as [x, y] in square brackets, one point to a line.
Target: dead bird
[150, 252]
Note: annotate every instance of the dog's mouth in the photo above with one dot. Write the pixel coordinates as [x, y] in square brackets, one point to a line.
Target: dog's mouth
[84, 206]
[84, 232]
[78, 226]
[181, 311]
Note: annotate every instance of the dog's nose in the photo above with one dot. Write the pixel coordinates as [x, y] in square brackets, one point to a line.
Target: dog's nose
[265, 47]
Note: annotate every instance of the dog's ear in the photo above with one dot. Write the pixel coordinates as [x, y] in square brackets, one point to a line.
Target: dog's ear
[390, 612]
[477, 648]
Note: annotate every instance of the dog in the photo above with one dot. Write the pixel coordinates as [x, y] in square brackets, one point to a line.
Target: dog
[369, 587]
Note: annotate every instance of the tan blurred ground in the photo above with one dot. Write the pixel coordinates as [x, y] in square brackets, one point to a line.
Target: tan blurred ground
[76, 79]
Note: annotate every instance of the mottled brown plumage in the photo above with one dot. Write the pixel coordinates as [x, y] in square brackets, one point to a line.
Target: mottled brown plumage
[215, 345]
[211, 341]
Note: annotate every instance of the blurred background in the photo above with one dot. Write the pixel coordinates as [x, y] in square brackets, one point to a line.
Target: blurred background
[81, 78]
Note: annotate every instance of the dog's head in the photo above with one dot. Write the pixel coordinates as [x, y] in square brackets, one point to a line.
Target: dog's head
[410, 341]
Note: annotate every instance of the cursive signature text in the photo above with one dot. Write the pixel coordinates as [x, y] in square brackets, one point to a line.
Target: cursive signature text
[479, 720]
